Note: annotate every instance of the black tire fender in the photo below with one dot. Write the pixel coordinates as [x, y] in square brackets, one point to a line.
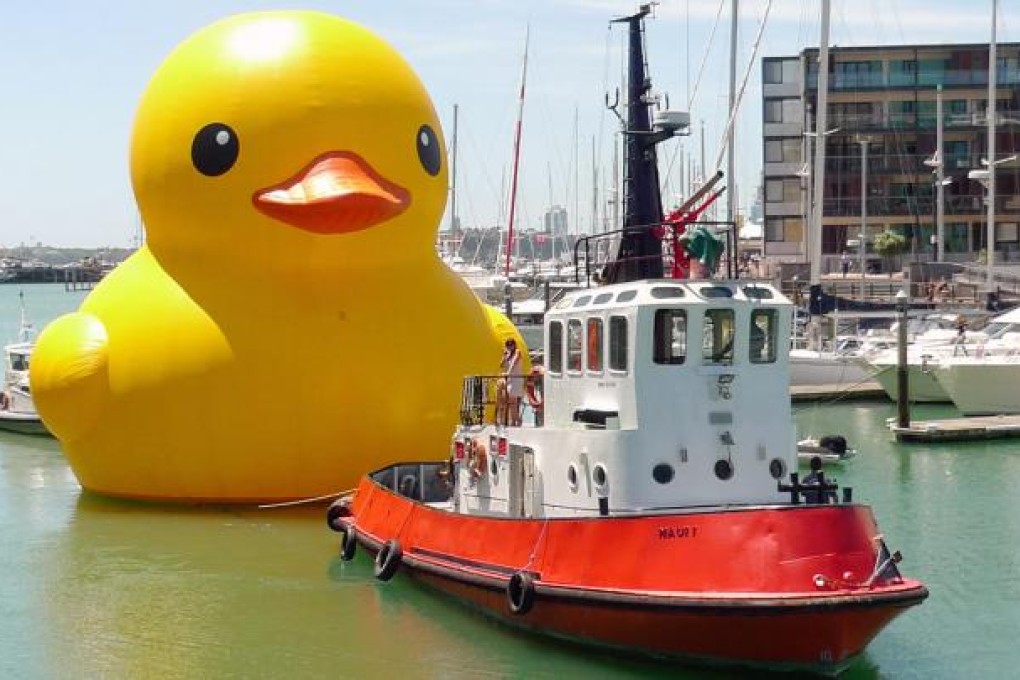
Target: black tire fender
[348, 543]
[337, 509]
[387, 560]
[520, 592]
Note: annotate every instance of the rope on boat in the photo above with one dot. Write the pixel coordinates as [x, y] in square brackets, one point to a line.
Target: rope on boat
[304, 501]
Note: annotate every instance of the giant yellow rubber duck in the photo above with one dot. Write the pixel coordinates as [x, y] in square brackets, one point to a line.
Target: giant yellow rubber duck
[288, 325]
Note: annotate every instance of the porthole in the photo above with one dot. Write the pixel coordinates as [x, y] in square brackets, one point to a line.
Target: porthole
[723, 469]
[599, 476]
[572, 476]
[663, 473]
[777, 468]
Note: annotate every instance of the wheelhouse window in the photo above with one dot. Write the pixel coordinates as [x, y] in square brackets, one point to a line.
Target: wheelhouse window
[670, 343]
[762, 336]
[618, 343]
[595, 344]
[574, 345]
[717, 343]
[555, 347]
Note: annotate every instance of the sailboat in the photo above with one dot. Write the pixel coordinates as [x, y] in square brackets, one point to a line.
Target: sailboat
[17, 410]
[648, 500]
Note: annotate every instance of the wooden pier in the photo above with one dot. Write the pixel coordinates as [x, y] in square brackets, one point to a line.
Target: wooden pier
[959, 429]
[857, 391]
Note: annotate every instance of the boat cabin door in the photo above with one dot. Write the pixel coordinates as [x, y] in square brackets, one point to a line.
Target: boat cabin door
[522, 481]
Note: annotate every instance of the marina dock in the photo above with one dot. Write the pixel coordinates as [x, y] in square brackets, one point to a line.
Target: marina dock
[863, 390]
[959, 429]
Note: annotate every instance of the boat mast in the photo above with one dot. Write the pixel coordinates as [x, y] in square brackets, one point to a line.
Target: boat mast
[640, 253]
[516, 166]
[730, 157]
[991, 112]
[813, 235]
[814, 231]
[454, 226]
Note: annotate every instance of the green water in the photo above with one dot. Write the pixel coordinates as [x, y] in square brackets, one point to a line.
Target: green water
[92, 588]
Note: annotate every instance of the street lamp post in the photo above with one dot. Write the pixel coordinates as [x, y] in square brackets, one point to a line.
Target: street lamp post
[864, 208]
[937, 188]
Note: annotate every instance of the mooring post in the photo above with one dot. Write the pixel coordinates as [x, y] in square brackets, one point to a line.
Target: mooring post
[902, 378]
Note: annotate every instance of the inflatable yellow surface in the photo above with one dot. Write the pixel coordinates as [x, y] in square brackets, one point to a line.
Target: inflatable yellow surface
[288, 325]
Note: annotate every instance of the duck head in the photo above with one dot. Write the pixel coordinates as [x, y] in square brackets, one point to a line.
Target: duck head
[288, 139]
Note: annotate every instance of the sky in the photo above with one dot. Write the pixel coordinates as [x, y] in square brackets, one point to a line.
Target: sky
[72, 74]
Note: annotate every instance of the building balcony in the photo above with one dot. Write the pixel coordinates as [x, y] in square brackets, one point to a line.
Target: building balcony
[922, 79]
[922, 206]
[900, 122]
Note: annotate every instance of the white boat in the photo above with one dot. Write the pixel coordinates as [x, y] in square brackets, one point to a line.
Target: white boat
[837, 366]
[17, 410]
[837, 362]
[985, 386]
[825, 450]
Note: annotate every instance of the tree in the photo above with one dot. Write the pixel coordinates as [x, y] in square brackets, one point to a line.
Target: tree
[889, 244]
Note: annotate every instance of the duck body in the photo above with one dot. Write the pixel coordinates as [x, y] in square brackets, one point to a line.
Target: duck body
[288, 324]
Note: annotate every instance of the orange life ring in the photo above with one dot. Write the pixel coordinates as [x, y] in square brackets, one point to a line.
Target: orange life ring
[535, 398]
[476, 459]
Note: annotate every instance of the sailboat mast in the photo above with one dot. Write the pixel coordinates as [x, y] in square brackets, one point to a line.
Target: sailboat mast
[454, 227]
[517, 154]
[991, 112]
[730, 157]
[814, 232]
[594, 189]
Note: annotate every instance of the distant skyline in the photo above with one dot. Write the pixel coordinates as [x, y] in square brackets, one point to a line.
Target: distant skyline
[72, 75]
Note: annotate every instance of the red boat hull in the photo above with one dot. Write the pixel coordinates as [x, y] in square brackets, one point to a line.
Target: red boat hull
[781, 587]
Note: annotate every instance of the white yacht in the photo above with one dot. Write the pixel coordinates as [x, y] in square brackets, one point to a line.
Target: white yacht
[943, 342]
[17, 410]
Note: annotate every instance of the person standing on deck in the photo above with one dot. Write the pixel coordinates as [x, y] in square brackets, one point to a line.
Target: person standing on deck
[513, 377]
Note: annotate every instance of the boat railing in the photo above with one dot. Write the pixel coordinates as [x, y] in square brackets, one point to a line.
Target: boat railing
[594, 256]
[484, 400]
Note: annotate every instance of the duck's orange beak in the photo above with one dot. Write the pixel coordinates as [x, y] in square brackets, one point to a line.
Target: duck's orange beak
[337, 193]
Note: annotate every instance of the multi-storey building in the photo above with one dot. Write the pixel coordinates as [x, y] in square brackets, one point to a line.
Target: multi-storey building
[884, 99]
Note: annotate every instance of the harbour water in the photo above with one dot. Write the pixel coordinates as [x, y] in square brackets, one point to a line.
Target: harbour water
[91, 587]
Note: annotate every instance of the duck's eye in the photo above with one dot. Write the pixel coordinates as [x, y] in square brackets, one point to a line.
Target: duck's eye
[214, 149]
[429, 153]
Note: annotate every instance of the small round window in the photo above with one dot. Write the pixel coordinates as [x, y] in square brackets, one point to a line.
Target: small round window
[777, 468]
[663, 473]
[572, 477]
[723, 469]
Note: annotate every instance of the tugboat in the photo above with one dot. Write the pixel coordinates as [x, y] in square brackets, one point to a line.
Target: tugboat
[648, 500]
